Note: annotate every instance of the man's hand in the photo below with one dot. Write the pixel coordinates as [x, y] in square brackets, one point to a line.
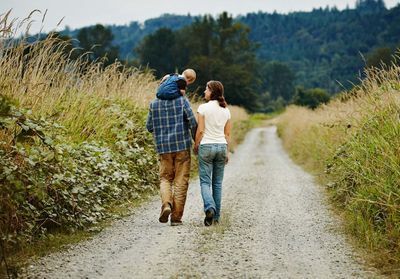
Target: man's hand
[196, 149]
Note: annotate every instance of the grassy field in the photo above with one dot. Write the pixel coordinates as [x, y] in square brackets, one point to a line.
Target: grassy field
[353, 146]
[74, 150]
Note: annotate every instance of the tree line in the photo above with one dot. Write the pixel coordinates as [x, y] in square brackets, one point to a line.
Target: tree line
[218, 48]
[326, 47]
[265, 60]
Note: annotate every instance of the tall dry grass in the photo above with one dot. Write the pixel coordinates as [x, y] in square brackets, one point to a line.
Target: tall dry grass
[353, 145]
[42, 77]
[76, 94]
[241, 124]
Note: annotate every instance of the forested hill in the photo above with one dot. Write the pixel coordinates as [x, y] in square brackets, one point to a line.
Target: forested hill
[127, 37]
[323, 47]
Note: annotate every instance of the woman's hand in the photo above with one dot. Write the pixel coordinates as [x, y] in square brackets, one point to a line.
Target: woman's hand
[227, 158]
[196, 149]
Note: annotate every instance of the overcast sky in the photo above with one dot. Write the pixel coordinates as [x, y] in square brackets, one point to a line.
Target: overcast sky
[80, 13]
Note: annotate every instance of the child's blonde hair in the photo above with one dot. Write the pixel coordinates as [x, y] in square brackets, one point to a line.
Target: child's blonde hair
[190, 75]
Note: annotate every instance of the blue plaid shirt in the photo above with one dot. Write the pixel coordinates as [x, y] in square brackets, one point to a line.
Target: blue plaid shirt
[171, 122]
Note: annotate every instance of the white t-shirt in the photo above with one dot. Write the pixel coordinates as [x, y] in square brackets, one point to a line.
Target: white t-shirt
[215, 119]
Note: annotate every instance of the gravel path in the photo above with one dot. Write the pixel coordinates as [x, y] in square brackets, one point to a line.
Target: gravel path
[274, 225]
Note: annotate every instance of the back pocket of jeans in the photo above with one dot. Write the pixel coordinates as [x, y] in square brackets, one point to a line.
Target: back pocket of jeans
[205, 151]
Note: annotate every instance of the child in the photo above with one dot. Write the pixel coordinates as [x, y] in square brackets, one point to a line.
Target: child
[173, 86]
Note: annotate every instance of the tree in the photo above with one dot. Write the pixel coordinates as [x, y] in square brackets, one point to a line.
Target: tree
[197, 38]
[370, 6]
[380, 58]
[278, 80]
[225, 53]
[97, 40]
[311, 98]
[160, 51]
[217, 49]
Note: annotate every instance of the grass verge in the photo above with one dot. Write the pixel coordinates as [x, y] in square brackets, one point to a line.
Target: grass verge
[352, 145]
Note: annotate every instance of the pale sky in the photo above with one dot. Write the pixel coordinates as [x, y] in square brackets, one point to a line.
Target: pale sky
[79, 13]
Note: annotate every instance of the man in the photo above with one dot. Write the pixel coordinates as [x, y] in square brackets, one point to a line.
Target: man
[173, 125]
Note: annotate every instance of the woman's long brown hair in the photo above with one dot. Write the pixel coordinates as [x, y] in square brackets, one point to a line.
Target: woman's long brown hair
[217, 92]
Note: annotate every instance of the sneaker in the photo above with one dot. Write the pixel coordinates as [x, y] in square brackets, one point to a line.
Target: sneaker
[209, 217]
[215, 222]
[165, 212]
[176, 223]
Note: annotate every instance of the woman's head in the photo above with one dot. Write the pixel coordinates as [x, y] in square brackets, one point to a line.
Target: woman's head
[215, 91]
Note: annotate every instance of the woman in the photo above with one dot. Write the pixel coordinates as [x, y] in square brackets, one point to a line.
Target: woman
[211, 144]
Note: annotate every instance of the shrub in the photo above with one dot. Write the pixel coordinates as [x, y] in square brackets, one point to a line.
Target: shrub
[311, 98]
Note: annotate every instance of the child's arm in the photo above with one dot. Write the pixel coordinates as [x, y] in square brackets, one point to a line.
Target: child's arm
[164, 78]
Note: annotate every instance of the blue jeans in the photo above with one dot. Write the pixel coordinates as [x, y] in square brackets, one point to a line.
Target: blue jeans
[211, 171]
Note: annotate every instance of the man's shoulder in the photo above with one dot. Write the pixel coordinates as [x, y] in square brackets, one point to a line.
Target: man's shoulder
[177, 101]
[185, 100]
[153, 102]
[156, 103]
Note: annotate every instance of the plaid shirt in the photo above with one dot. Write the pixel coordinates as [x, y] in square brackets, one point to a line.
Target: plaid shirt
[171, 122]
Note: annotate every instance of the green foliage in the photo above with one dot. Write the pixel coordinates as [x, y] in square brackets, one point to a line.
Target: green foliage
[128, 37]
[5, 106]
[311, 98]
[381, 58]
[97, 42]
[323, 47]
[217, 49]
[278, 80]
[47, 182]
[367, 175]
[158, 50]
[370, 6]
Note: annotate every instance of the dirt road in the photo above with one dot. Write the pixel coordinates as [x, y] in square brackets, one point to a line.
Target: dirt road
[275, 225]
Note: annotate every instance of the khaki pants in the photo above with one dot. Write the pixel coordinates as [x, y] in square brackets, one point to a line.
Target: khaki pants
[174, 181]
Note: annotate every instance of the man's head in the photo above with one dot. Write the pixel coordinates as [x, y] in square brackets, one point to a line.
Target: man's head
[190, 75]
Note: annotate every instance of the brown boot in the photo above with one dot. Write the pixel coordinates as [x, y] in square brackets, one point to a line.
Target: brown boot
[165, 212]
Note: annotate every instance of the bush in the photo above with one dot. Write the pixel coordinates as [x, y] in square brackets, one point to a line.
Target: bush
[311, 98]
[47, 182]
